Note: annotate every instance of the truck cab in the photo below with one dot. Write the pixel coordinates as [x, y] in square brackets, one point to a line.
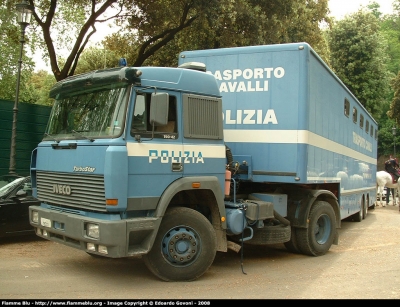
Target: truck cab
[121, 147]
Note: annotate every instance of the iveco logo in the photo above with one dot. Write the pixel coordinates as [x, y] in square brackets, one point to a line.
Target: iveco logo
[61, 189]
[87, 169]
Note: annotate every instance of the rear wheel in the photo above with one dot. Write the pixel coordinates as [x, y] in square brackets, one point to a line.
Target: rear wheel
[184, 248]
[317, 239]
[358, 217]
[365, 209]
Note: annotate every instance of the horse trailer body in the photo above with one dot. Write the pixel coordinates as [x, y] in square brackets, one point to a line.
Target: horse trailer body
[293, 120]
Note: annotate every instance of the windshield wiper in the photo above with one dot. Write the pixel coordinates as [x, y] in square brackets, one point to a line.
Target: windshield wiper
[84, 136]
[52, 137]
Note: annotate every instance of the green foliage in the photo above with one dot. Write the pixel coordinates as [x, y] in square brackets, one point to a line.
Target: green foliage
[65, 27]
[387, 140]
[10, 35]
[394, 111]
[359, 58]
[390, 29]
[156, 31]
[248, 22]
[40, 84]
[97, 58]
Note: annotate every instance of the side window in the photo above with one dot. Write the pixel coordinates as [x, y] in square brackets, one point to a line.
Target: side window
[361, 121]
[355, 115]
[140, 121]
[346, 107]
[367, 126]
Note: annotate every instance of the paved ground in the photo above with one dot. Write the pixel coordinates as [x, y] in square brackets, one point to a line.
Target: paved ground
[365, 265]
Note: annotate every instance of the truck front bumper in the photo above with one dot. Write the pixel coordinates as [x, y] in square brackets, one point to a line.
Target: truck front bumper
[116, 238]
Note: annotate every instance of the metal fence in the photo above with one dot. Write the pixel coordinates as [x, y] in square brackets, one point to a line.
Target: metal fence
[31, 124]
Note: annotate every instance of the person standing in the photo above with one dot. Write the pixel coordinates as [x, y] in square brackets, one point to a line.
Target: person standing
[392, 167]
[388, 191]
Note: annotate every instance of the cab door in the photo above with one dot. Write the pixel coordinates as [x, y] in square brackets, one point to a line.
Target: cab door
[154, 149]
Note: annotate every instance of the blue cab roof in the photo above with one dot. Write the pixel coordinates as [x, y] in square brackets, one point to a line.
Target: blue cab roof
[179, 79]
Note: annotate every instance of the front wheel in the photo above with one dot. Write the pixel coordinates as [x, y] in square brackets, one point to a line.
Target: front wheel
[184, 248]
[317, 239]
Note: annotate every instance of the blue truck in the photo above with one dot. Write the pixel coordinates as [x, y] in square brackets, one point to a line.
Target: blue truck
[235, 147]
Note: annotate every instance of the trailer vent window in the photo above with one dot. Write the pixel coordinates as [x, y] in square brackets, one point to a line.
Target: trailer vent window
[355, 115]
[367, 126]
[346, 108]
[361, 121]
[202, 117]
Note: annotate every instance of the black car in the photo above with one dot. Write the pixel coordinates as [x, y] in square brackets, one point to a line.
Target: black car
[15, 199]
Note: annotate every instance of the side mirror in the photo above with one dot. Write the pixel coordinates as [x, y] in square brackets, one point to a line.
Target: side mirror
[21, 193]
[159, 109]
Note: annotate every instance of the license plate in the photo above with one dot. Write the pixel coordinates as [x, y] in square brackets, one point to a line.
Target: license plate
[45, 222]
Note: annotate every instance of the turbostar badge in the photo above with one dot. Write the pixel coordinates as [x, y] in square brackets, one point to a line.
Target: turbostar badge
[86, 169]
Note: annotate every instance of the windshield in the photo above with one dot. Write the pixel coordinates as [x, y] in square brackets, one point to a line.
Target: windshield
[98, 113]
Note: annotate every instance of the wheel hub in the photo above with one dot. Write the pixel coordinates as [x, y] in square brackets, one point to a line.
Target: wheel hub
[322, 229]
[180, 245]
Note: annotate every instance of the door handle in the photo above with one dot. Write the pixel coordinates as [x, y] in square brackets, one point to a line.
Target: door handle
[177, 167]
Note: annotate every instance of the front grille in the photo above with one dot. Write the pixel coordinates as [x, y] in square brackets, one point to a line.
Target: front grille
[86, 192]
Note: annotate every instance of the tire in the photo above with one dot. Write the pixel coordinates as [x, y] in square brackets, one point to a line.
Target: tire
[358, 217]
[317, 239]
[365, 209]
[192, 233]
[292, 245]
[373, 205]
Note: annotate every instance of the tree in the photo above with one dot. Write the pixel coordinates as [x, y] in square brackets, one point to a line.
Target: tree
[72, 23]
[391, 30]
[359, 58]
[394, 111]
[147, 26]
[94, 58]
[39, 86]
[386, 138]
[224, 24]
[154, 32]
[10, 35]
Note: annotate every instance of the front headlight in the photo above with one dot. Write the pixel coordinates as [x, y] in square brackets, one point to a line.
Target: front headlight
[35, 217]
[92, 230]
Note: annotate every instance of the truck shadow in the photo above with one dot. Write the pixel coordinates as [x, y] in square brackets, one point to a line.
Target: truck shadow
[20, 239]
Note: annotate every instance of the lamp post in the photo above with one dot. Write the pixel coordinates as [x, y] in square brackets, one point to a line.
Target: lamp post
[24, 13]
[394, 141]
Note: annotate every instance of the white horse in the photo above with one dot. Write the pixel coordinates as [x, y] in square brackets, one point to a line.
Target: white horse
[383, 179]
